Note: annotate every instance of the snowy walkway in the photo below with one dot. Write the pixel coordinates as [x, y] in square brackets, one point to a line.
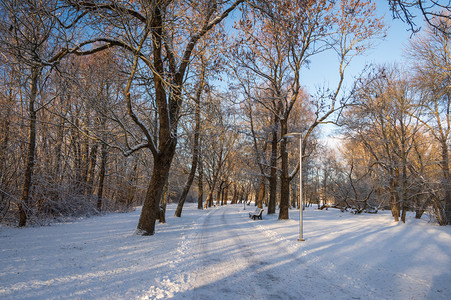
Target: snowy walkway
[238, 263]
[221, 254]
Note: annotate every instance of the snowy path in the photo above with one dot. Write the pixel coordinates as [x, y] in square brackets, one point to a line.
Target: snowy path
[237, 263]
[253, 264]
[222, 254]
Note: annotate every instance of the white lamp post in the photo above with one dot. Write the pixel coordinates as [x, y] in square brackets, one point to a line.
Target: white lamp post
[301, 218]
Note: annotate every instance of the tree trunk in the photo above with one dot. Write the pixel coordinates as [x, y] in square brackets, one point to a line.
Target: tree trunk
[235, 195]
[225, 195]
[189, 182]
[4, 135]
[4, 141]
[218, 194]
[261, 193]
[273, 173]
[394, 196]
[284, 176]
[448, 206]
[58, 152]
[103, 159]
[404, 153]
[76, 141]
[192, 173]
[131, 186]
[163, 202]
[160, 173]
[419, 211]
[405, 204]
[84, 164]
[200, 184]
[24, 204]
[446, 181]
[91, 170]
[209, 200]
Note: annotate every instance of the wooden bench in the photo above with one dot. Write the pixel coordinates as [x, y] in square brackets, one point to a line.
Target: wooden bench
[257, 214]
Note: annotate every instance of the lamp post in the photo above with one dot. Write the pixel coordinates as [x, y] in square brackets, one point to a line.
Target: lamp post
[301, 217]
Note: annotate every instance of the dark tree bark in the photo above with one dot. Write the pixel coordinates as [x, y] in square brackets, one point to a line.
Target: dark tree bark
[446, 182]
[284, 176]
[200, 183]
[225, 194]
[31, 152]
[163, 203]
[209, 200]
[91, 169]
[84, 165]
[160, 173]
[103, 160]
[58, 150]
[273, 173]
[218, 193]
[4, 143]
[235, 195]
[192, 173]
[394, 196]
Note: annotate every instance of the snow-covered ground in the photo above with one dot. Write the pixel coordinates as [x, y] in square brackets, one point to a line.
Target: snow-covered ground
[221, 254]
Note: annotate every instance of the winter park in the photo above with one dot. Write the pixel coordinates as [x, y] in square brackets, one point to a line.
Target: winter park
[226, 149]
[221, 253]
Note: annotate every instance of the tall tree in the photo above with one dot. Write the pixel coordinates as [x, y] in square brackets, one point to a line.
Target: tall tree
[278, 39]
[196, 136]
[430, 57]
[206, 62]
[159, 37]
[383, 120]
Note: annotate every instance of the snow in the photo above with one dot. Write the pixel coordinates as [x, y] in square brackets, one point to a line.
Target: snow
[220, 253]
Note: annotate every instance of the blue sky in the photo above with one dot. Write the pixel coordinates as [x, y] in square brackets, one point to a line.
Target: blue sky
[323, 71]
[324, 67]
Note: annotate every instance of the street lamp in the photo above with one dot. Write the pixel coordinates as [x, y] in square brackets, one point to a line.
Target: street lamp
[301, 219]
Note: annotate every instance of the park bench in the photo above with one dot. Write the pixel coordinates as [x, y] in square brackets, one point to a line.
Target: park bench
[257, 214]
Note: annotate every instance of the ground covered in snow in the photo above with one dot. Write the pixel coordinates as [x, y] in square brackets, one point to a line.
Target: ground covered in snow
[220, 253]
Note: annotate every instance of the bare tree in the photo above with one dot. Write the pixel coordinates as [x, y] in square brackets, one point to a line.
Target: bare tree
[160, 41]
[278, 39]
[206, 64]
[384, 122]
[430, 10]
[28, 38]
[430, 57]
[220, 139]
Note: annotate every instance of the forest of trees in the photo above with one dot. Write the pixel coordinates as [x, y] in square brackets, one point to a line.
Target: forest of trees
[106, 105]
